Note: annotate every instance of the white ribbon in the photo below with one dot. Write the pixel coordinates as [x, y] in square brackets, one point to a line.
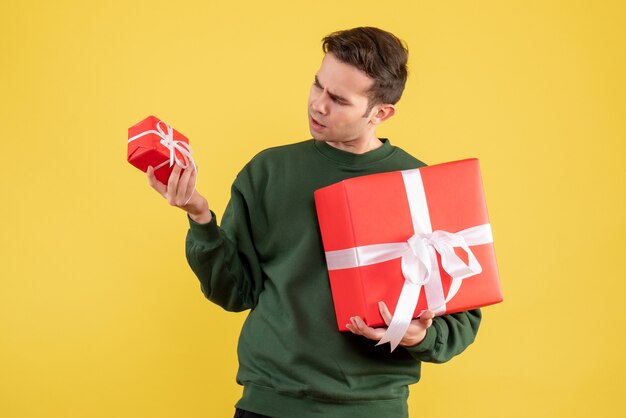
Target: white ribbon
[419, 260]
[167, 140]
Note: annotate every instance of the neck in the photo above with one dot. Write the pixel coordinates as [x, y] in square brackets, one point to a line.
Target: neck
[357, 146]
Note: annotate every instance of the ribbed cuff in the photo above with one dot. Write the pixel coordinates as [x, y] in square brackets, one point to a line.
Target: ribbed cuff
[204, 233]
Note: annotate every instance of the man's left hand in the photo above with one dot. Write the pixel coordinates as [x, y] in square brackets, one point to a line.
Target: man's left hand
[414, 334]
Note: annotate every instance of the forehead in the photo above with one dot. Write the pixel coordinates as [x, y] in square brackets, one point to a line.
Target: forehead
[343, 79]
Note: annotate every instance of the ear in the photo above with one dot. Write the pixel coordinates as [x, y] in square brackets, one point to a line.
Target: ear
[381, 113]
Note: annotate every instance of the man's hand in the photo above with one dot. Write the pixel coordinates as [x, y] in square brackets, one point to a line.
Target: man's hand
[180, 192]
[414, 334]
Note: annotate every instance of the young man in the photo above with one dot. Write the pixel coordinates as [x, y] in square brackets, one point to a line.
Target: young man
[267, 255]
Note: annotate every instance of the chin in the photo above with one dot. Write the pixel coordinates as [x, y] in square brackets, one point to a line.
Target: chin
[316, 135]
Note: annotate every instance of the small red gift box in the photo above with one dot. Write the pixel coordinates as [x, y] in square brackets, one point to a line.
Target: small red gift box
[416, 239]
[152, 142]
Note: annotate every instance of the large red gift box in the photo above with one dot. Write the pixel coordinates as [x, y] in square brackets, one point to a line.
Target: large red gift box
[381, 230]
[152, 142]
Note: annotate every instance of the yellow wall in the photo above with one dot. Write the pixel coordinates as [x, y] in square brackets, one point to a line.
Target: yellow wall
[100, 315]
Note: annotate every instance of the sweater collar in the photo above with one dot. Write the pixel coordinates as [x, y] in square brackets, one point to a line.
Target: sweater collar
[345, 157]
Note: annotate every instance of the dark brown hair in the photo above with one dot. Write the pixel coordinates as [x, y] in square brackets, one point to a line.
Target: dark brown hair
[379, 54]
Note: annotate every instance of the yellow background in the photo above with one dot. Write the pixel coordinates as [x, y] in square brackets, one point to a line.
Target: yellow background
[100, 315]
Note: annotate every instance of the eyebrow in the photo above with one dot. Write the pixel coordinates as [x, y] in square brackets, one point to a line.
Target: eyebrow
[332, 95]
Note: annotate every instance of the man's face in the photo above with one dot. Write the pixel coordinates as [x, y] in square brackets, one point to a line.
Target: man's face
[338, 101]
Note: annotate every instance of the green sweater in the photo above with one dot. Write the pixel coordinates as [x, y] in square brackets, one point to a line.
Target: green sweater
[267, 256]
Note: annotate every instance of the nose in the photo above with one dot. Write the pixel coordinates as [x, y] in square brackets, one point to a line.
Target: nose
[319, 103]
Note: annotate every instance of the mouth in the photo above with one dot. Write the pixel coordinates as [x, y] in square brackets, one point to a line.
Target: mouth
[315, 124]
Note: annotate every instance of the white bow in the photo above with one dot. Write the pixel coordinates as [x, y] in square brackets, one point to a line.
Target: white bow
[419, 262]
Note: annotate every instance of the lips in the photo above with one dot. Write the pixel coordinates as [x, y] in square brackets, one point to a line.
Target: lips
[316, 124]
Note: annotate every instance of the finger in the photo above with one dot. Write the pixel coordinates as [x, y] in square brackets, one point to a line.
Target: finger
[183, 183]
[191, 187]
[192, 183]
[367, 331]
[352, 326]
[384, 312]
[154, 183]
[172, 184]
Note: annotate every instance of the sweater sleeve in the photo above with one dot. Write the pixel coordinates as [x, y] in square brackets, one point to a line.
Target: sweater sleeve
[224, 258]
[448, 336]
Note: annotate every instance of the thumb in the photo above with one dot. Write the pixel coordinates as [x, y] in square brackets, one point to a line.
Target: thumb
[427, 318]
[427, 315]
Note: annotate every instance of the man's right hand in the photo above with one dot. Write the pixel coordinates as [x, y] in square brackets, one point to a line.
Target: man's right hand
[180, 192]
